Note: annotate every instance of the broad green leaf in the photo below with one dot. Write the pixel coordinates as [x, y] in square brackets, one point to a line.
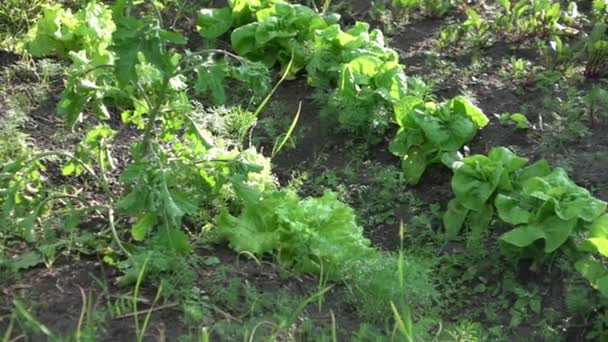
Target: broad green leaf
[595, 245]
[391, 82]
[270, 29]
[599, 228]
[540, 168]
[521, 121]
[465, 107]
[454, 218]
[475, 181]
[25, 261]
[243, 39]
[403, 108]
[406, 140]
[557, 231]
[450, 158]
[553, 230]
[510, 211]
[414, 164]
[214, 22]
[364, 68]
[523, 236]
[507, 158]
[595, 272]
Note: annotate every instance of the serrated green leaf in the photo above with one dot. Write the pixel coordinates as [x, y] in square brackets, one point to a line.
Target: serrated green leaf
[175, 239]
[26, 260]
[144, 224]
[211, 78]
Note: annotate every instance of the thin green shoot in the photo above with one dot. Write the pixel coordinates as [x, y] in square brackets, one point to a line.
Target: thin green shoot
[136, 296]
[274, 89]
[204, 335]
[82, 314]
[9, 330]
[334, 333]
[32, 322]
[149, 314]
[301, 306]
[277, 148]
[403, 324]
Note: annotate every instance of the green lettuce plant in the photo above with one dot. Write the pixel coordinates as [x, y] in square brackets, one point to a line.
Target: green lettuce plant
[59, 31]
[592, 266]
[550, 208]
[317, 235]
[431, 133]
[476, 181]
[539, 204]
[363, 74]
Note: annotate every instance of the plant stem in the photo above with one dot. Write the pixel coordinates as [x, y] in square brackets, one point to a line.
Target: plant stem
[145, 147]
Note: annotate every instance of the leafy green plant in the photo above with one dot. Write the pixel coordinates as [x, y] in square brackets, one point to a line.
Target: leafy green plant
[513, 21]
[280, 32]
[475, 31]
[525, 18]
[549, 207]
[431, 133]
[375, 282]
[540, 203]
[429, 8]
[592, 266]
[133, 66]
[600, 9]
[365, 74]
[476, 181]
[310, 235]
[597, 49]
[60, 31]
[519, 119]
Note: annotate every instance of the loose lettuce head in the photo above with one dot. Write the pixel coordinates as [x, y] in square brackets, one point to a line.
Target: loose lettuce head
[548, 207]
[476, 181]
[309, 235]
[432, 133]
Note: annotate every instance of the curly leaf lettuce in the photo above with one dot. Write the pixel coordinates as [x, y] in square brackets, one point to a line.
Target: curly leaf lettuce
[310, 235]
